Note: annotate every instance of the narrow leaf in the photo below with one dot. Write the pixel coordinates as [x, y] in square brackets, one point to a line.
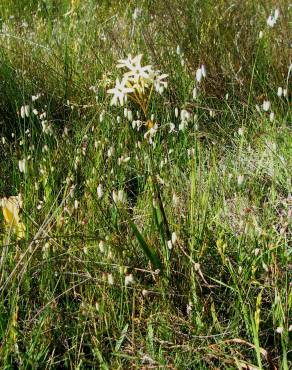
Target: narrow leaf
[150, 253]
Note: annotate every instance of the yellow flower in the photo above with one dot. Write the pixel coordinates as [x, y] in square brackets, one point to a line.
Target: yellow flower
[149, 123]
[10, 208]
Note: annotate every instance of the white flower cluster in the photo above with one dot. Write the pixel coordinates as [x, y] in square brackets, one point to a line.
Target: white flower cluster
[201, 73]
[272, 19]
[136, 80]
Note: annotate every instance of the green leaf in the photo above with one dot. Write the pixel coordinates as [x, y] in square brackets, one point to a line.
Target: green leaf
[150, 253]
[121, 339]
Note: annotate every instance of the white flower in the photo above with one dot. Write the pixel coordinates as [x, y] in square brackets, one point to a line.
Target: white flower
[110, 279]
[261, 35]
[279, 329]
[151, 133]
[257, 251]
[240, 180]
[101, 246]
[158, 81]
[212, 113]
[119, 91]
[110, 151]
[22, 165]
[185, 115]
[24, 111]
[136, 71]
[197, 266]
[36, 97]
[276, 13]
[195, 93]
[119, 197]
[122, 196]
[136, 14]
[173, 238]
[182, 125]
[272, 116]
[280, 91]
[176, 112]
[201, 73]
[189, 308]
[272, 19]
[130, 115]
[266, 105]
[126, 63]
[101, 116]
[99, 191]
[171, 127]
[175, 200]
[137, 123]
[129, 279]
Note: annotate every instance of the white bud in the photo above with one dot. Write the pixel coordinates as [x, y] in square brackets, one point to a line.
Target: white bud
[279, 329]
[129, 279]
[240, 180]
[266, 105]
[99, 191]
[115, 196]
[171, 127]
[101, 116]
[110, 279]
[22, 112]
[121, 196]
[173, 238]
[22, 165]
[101, 246]
[130, 115]
[276, 13]
[257, 251]
[195, 93]
[199, 75]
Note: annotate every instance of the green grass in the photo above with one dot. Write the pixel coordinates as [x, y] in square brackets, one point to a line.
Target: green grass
[220, 298]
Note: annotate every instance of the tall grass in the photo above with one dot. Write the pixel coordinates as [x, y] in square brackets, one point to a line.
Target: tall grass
[97, 282]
